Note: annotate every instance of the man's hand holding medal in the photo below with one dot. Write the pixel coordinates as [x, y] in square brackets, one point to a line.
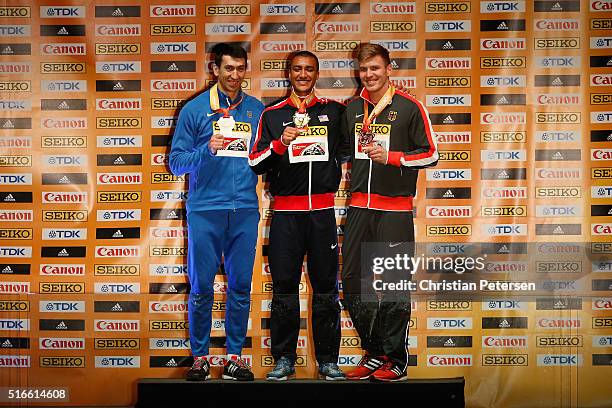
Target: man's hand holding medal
[375, 151]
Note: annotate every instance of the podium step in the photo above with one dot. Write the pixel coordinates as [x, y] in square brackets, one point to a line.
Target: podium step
[442, 392]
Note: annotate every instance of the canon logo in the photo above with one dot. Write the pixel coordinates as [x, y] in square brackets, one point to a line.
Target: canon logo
[173, 85]
[62, 344]
[449, 360]
[497, 44]
[62, 269]
[503, 117]
[505, 192]
[559, 174]
[119, 104]
[168, 307]
[504, 341]
[448, 63]
[64, 123]
[159, 159]
[557, 25]
[601, 79]
[337, 27]
[169, 232]
[118, 30]
[119, 178]
[601, 229]
[601, 154]
[551, 99]
[64, 197]
[601, 5]
[173, 11]
[117, 252]
[602, 304]
[449, 212]
[393, 8]
[117, 325]
[63, 49]
[559, 323]
[282, 46]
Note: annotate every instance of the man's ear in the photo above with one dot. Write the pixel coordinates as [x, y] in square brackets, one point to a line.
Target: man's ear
[215, 70]
[389, 69]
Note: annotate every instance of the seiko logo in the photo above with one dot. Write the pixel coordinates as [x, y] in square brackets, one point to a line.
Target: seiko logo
[118, 30]
[173, 48]
[601, 23]
[505, 360]
[559, 341]
[501, 137]
[454, 230]
[448, 82]
[507, 62]
[599, 173]
[504, 211]
[173, 11]
[62, 12]
[123, 270]
[117, 49]
[119, 196]
[14, 12]
[558, 192]
[323, 46]
[15, 86]
[62, 216]
[65, 287]
[14, 306]
[229, 10]
[448, 7]
[556, 43]
[553, 117]
[455, 155]
[392, 27]
[63, 49]
[397, 45]
[442, 26]
[173, 29]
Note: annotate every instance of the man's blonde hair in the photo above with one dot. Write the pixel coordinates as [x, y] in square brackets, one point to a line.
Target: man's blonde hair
[369, 50]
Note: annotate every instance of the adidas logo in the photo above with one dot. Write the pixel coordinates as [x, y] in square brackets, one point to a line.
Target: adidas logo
[117, 13]
[448, 194]
[7, 269]
[558, 156]
[9, 198]
[609, 138]
[61, 326]
[64, 180]
[337, 10]
[556, 7]
[558, 230]
[119, 160]
[610, 212]
[504, 324]
[7, 50]
[63, 105]
[559, 305]
[171, 363]
[171, 289]
[118, 234]
[448, 46]
[8, 124]
[503, 250]
[173, 67]
[338, 84]
[63, 252]
[63, 31]
[503, 101]
[394, 64]
[117, 308]
[171, 214]
[557, 82]
[503, 26]
[503, 175]
[118, 87]
[282, 29]
[448, 119]
[7, 344]
[449, 343]
[609, 63]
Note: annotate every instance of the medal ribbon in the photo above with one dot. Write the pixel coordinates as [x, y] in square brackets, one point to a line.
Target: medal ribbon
[215, 106]
[382, 104]
[299, 103]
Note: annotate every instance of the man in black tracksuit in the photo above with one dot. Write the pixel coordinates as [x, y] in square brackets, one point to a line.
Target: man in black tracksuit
[304, 218]
[391, 138]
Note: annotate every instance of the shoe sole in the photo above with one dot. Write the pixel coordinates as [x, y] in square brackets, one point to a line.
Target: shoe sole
[359, 379]
[328, 378]
[229, 377]
[285, 378]
[199, 379]
[404, 378]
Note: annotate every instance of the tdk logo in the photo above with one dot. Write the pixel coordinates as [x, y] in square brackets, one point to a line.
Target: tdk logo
[119, 141]
[64, 86]
[173, 48]
[448, 26]
[118, 215]
[502, 6]
[63, 12]
[557, 62]
[117, 362]
[66, 307]
[559, 360]
[448, 100]
[14, 324]
[441, 323]
[397, 45]
[110, 67]
[449, 174]
[244, 28]
[117, 288]
[502, 81]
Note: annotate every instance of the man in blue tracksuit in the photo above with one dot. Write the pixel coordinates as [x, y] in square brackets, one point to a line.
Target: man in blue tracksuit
[222, 206]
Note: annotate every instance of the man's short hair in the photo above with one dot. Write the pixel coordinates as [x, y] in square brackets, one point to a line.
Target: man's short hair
[232, 50]
[369, 50]
[302, 53]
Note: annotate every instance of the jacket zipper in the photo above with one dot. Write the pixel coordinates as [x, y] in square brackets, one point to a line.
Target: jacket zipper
[310, 186]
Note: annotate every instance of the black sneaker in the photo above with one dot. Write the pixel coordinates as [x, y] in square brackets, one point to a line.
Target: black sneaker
[199, 371]
[237, 370]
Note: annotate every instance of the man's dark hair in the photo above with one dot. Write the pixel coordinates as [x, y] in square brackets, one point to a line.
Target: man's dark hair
[302, 53]
[232, 50]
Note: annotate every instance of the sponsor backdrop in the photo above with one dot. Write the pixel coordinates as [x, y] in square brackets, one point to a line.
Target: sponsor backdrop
[92, 237]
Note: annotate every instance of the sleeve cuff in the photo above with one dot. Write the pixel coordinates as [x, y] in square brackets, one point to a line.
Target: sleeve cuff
[393, 159]
[278, 147]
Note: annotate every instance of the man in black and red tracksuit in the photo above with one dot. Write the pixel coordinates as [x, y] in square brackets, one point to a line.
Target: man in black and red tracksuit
[299, 149]
[392, 138]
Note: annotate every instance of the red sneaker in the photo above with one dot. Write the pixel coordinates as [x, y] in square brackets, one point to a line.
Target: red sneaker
[390, 372]
[365, 368]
